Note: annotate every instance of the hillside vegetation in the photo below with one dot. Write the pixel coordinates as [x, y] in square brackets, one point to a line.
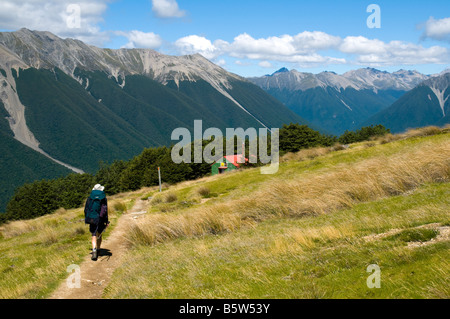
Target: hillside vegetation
[42, 197]
[309, 231]
[21, 164]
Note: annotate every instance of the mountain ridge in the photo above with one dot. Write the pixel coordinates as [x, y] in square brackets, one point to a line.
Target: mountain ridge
[71, 101]
[426, 104]
[363, 78]
[339, 102]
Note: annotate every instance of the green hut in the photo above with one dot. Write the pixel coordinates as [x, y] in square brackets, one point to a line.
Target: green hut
[228, 163]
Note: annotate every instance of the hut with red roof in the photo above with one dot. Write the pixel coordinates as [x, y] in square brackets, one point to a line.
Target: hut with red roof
[228, 163]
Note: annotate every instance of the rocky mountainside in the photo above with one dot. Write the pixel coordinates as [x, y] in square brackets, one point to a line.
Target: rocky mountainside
[338, 102]
[360, 79]
[77, 105]
[426, 104]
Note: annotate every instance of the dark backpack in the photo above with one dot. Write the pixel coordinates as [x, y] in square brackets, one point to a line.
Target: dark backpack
[94, 206]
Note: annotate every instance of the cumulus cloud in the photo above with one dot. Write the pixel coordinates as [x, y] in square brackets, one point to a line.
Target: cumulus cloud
[141, 40]
[167, 9]
[302, 44]
[305, 50]
[377, 52]
[301, 48]
[196, 44]
[65, 18]
[437, 29]
[362, 45]
[313, 41]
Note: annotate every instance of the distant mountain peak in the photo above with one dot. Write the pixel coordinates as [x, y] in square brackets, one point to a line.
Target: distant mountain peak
[359, 79]
[282, 70]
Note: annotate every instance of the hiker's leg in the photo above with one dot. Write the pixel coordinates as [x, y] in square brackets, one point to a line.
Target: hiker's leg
[99, 242]
[94, 242]
[93, 230]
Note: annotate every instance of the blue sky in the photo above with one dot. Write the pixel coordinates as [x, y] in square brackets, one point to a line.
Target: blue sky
[253, 38]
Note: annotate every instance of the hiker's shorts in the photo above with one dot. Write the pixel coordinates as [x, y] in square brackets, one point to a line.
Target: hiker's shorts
[96, 228]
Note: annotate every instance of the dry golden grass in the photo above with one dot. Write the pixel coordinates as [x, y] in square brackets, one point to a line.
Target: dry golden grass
[416, 132]
[321, 193]
[308, 154]
[119, 207]
[423, 131]
[165, 197]
[161, 227]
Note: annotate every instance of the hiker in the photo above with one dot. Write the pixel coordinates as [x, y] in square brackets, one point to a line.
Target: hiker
[96, 215]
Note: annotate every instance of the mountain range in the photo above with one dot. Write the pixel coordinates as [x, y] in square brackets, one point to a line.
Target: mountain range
[72, 105]
[339, 102]
[426, 104]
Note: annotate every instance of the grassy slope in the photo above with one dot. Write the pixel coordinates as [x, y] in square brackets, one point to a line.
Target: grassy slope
[186, 253]
[228, 250]
[314, 257]
[35, 253]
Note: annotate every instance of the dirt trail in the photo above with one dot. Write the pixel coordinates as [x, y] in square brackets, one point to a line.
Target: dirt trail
[95, 275]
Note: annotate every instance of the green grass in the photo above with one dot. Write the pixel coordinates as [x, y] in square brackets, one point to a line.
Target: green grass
[313, 257]
[309, 256]
[35, 253]
[244, 235]
[415, 235]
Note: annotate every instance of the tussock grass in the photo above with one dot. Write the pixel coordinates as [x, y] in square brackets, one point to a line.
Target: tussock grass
[35, 254]
[307, 154]
[204, 191]
[324, 256]
[298, 234]
[312, 195]
[18, 228]
[164, 197]
[159, 228]
[412, 133]
[170, 197]
[120, 207]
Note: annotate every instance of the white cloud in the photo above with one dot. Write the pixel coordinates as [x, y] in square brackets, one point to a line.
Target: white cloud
[142, 40]
[376, 52]
[246, 46]
[437, 29]
[300, 49]
[312, 41]
[167, 9]
[304, 50]
[65, 18]
[195, 44]
[362, 45]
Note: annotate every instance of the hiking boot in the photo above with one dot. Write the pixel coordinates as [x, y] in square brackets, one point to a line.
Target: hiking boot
[94, 254]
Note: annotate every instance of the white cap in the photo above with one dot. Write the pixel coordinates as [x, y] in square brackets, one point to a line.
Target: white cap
[98, 187]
